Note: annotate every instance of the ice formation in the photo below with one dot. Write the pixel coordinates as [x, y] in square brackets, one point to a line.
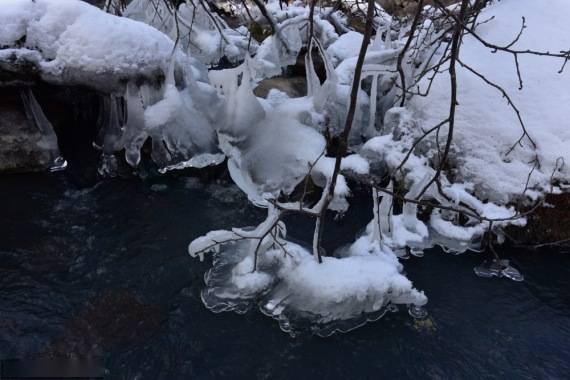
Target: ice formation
[260, 163]
[258, 266]
[48, 138]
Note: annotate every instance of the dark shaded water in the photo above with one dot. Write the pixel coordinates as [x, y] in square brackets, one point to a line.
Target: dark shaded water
[103, 271]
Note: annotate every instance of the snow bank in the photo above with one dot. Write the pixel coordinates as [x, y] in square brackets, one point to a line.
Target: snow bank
[347, 45]
[486, 127]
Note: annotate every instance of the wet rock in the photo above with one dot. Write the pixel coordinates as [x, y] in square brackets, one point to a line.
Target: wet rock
[546, 225]
[294, 87]
[23, 144]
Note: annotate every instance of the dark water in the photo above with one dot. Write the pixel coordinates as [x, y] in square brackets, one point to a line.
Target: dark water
[103, 272]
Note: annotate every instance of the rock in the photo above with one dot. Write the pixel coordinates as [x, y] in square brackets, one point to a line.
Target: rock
[546, 225]
[24, 146]
[294, 87]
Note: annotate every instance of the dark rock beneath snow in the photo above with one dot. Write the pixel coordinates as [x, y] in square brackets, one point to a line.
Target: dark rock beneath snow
[294, 87]
[546, 225]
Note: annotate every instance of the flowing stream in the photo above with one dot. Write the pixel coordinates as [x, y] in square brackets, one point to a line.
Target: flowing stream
[103, 271]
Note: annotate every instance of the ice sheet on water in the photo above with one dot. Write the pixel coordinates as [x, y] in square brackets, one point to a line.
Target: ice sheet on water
[339, 294]
[498, 268]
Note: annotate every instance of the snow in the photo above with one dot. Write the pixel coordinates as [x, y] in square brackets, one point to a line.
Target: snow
[334, 288]
[347, 46]
[486, 127]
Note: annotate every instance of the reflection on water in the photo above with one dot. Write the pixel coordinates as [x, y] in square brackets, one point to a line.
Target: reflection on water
[103, 272]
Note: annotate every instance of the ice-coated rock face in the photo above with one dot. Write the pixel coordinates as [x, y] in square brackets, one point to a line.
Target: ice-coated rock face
[167, 95]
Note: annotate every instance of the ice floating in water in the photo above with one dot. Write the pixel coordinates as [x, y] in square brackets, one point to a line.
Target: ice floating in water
[200, 161]
[418, 312]
[288, 284]
[58, 164]
[498, 268]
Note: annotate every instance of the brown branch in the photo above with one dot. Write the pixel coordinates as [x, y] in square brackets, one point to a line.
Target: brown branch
[402, 54]
[343, 139]
[455, 46]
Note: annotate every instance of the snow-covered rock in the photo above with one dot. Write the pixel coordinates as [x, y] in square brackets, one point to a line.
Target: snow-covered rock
[168, 98]
[71, 42]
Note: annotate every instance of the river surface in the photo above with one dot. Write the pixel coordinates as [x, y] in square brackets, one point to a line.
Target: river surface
[101, 271]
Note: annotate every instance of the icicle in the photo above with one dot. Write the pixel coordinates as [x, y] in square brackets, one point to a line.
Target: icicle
[372, 118]
[313, 82]
[388, 38]
[242, 110]
[320, 93]
[109, 123]
[376, 235]
[410, 210]
[385, 212]
[134, 136]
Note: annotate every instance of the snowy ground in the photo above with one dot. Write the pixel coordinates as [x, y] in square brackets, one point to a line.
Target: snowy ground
[486, 127]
